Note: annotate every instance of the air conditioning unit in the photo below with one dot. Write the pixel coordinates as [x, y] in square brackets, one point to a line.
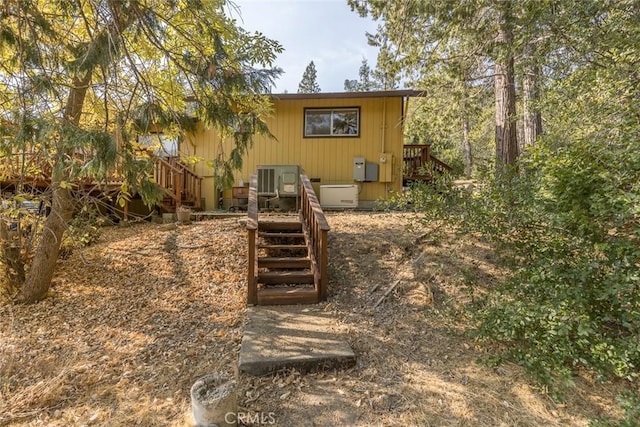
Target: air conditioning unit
[280, 180]
[339, 196]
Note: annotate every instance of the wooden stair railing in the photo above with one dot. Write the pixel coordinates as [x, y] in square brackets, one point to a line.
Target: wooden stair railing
[439, 166]
[420, 165]
[178, 182]
[316, 227]
[252, 229]
[287, 258]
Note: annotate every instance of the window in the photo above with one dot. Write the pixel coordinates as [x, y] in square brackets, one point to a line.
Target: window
[319, 122]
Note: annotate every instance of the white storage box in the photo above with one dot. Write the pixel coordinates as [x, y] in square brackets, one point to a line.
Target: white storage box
[339, 196]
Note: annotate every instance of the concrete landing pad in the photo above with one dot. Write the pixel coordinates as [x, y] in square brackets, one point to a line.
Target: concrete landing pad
[300, 337]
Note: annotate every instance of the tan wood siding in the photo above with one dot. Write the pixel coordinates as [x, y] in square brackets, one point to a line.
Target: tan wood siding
[329, 159]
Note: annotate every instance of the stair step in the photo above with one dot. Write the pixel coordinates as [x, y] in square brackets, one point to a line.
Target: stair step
[284, 226]
[287, 295]
[284, 262]
[282, 277]
[288, 235]
[286, 247]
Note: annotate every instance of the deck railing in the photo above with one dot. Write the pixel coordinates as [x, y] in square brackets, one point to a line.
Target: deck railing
[315, 223]
[420, 165]
[252, 230]
[415, 157]
[180, 183]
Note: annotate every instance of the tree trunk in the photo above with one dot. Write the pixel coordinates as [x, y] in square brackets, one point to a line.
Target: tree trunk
[505, 93]
[506, 132]
[43, 265]
[466, 148]
[44, 260]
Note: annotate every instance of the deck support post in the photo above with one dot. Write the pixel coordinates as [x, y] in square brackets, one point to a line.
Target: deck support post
[252, 292]
[324, 261]
[252, 232]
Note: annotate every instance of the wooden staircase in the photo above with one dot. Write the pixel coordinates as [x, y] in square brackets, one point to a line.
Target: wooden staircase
[287, 254]
[181, 186]
[419, 165]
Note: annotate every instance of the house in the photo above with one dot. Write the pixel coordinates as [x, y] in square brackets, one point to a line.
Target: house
[349, 144]
[348, 141]
[347, 148]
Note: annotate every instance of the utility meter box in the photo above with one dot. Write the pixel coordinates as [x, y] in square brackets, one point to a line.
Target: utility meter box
[386, 165]
[359, 169]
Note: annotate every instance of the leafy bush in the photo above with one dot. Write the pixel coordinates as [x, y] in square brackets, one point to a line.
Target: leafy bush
[83, 230]
[630, 404]
[20, 225]
[568, 229]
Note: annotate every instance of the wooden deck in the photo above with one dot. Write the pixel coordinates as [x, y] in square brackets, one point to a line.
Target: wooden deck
[29, 170]
[419, 165]
[288, 255]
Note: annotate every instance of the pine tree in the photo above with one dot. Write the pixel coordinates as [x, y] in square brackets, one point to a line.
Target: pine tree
[366, 83]
[81, 83]
[440, 38]
[350, 85]
[308, 84]
[369, 80]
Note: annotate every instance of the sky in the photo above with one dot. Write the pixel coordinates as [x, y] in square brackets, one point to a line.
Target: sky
[326, 32]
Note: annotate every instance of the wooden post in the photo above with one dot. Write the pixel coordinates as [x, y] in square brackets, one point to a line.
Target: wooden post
[252, 228]
[199, 193]
[178, 189]
[252, 291]
[324, 261]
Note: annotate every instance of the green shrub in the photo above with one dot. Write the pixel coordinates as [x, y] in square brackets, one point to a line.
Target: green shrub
[83, 230]
[568, 229]
[630, 404]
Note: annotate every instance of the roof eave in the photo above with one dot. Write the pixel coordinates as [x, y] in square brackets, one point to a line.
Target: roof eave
[332, 95]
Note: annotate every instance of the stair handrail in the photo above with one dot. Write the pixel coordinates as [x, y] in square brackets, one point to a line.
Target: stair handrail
[313, 218]
[177, 179]
[192, 184]
[439, 165]
[166, 176]
[252, 230]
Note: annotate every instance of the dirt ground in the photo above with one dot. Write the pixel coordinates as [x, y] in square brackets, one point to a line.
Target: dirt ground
[134, 320]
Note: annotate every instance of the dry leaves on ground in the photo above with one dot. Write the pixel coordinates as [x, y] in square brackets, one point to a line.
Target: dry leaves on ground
[122, 337]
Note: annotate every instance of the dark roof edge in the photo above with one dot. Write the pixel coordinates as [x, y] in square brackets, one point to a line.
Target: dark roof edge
[373, 94]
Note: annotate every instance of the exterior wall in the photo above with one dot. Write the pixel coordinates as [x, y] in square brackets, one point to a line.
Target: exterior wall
[328, 159]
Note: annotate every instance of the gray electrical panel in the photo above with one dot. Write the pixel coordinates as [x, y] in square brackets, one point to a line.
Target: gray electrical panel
[371, 172]
[359, 169]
